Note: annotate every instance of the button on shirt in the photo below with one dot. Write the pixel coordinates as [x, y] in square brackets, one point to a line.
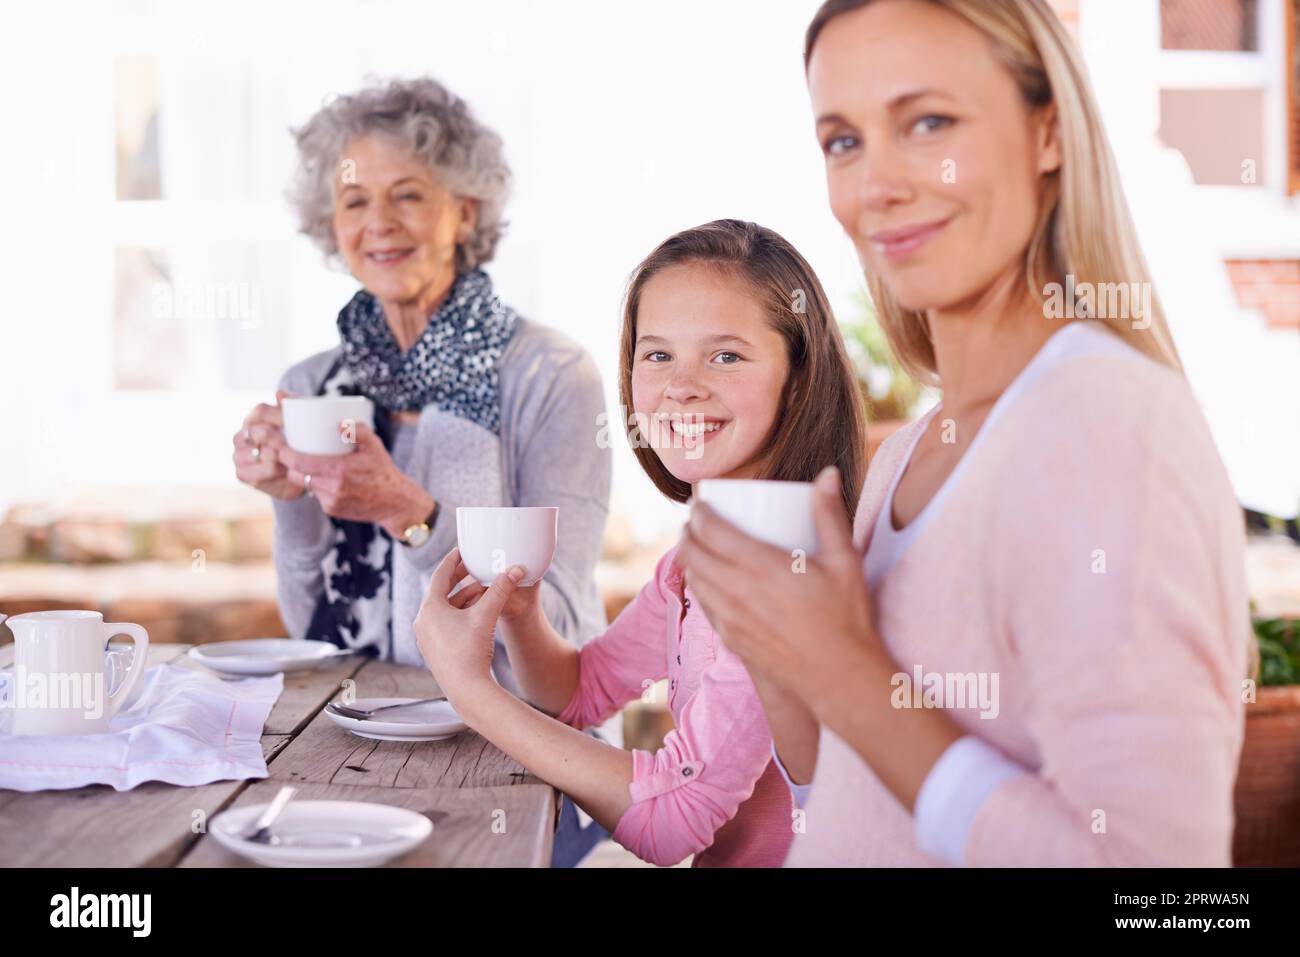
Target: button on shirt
[711, 790]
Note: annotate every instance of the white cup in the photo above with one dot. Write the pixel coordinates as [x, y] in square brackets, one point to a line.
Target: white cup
[311, 422]
[61, 671]
[491, 540]
[779, 513]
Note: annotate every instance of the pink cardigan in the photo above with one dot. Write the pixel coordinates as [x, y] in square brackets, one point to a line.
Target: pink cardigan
[1091, 554]
[712, 790]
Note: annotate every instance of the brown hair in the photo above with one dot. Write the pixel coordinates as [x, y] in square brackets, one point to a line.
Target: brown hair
[821, 420]
[1084, 228]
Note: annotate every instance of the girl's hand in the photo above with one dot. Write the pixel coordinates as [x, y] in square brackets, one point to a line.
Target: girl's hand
[257, 447]
[801, 624]
[521, 608]
[364, 486]
[455, 633]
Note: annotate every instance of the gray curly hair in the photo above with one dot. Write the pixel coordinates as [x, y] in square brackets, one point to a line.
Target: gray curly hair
[438, 128]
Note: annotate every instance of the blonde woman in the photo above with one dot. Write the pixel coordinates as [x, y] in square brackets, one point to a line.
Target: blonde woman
[1030, 648]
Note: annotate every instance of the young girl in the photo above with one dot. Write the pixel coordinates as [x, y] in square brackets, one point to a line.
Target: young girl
[726, 336]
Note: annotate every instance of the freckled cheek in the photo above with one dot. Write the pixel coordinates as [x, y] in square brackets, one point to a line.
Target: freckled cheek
[646, 393]
[753, 404]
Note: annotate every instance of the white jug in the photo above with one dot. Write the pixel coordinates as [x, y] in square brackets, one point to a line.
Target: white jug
[61, 669]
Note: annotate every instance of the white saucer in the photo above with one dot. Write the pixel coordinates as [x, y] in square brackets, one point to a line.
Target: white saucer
[422, 722]
[263, 656]
[324, 833]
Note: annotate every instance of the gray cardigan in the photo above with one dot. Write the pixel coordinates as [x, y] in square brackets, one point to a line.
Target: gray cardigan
[546, 454]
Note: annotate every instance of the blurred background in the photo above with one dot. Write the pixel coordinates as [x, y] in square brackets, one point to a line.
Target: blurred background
[156, 287]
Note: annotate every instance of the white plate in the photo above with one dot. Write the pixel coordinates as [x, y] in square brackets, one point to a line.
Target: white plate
[324, 833]
[263, 656]
[422, 722]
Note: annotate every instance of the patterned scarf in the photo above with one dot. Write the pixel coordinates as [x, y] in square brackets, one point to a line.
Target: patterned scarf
[452, 367]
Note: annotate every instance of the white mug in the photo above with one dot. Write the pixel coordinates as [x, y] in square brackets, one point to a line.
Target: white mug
[779, 513]
[491, 540]
[311, 422]
[61, 671]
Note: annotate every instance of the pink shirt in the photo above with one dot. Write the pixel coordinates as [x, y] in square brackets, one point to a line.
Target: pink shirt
[712, 789]
[1088, 551]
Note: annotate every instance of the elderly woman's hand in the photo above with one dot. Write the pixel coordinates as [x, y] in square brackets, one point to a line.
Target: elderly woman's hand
[364, 486]
[799, 624]
[257, 446]
[456, 633]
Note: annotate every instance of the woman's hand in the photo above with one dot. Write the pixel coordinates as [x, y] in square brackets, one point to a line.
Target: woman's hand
[257, 446]
[813, 632]
[364, 486]
[800, 623]
[456, 633]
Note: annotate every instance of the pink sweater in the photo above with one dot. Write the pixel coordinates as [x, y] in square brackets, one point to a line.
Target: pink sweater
[1088, 551]
[712, 789]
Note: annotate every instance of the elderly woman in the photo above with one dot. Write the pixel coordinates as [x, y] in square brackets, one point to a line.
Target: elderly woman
[474, 405]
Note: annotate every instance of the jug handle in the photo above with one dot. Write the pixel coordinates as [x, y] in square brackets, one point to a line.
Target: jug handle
[140, 639]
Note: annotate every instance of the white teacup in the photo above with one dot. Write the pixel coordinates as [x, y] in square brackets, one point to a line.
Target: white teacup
[60, 681]
[491, 540]
[311, 422]
[779, 513]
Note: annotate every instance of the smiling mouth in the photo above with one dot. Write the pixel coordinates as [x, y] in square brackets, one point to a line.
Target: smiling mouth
[693, 430]
[689, 430]
[897, 243]
[388, 257]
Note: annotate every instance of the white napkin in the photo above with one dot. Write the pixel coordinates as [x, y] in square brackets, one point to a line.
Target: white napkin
[185, 727]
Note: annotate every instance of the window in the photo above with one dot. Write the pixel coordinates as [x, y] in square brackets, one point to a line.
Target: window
[1224, 25]
[1227, 81]
[199, 267]
[1220, 132]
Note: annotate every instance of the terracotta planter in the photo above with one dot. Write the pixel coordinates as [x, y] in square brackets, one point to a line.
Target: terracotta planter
[1267, 795]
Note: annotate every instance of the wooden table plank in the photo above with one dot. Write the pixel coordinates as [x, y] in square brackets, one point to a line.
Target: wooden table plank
[472, 827]
[150, 825]
[324, 753]
[154, 824]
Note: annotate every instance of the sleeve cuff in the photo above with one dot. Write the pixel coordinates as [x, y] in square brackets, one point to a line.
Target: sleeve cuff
[953, 793]
[799, 792]
[649, 780]
[301, 525]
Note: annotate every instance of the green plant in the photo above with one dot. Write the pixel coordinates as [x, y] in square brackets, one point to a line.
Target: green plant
[1279, 651]
[887, 390]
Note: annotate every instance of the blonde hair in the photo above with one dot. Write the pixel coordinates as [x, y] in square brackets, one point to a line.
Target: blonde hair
[1084, 227]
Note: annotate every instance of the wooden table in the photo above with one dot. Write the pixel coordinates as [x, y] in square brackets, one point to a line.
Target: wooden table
[463, 785]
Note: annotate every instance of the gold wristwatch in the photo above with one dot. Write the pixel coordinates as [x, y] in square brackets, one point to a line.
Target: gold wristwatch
[416, 535]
